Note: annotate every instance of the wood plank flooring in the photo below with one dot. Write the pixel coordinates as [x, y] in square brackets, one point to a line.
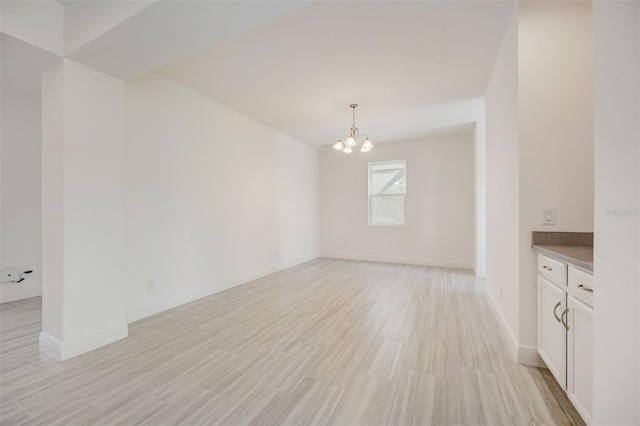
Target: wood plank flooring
[327, 342]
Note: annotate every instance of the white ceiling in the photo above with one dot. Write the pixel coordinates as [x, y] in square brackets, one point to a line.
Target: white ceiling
[300, 72]
[165, 30]
[413, 66]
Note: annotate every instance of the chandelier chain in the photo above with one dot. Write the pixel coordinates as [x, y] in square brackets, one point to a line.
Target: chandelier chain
[353, 108]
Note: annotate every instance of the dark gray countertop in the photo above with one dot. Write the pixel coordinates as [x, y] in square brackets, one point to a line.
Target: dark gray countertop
[581, 257]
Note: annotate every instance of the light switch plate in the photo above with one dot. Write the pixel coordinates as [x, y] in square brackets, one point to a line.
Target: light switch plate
[548, 215]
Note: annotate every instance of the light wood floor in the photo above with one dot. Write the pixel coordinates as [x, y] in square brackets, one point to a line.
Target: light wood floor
[327, 342]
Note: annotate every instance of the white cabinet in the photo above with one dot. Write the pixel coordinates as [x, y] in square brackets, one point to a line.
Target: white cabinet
[553, 270]
[580, 357]
[581, 285]
[565, 329]
[552, 334]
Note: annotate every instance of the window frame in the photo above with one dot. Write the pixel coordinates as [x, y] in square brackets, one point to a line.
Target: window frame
[370, 196]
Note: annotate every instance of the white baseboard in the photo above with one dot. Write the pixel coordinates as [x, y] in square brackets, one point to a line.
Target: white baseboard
[139, 312]
[528, 355]
[524, 354]
[504, 326]
[19, 293]
[64, 350]
[403, 260]
[51, 345]
[580, 409]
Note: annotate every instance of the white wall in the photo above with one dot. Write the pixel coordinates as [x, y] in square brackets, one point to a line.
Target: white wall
[440, 204]
[502, 281]
[617, 228]
[442, 116]
[555, 131]
[213, 199]
[20, 190]
[82, 210]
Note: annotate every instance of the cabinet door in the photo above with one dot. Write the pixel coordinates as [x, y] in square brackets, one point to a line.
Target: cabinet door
[580, 357]
[552, 334]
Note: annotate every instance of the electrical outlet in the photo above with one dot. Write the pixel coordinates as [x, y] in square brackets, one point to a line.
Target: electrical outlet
[151, 285]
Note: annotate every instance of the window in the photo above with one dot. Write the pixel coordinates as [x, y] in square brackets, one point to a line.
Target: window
[387, 192]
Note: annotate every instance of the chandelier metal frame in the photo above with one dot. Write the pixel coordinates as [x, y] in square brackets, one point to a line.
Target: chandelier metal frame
[346, 143]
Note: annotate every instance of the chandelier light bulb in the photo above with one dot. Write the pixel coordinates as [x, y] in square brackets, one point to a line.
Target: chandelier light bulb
[350, 142]
[338, 146]
[367, 144]
[348, 150]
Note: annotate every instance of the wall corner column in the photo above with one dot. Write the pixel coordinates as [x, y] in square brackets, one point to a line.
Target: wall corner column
[82, 210]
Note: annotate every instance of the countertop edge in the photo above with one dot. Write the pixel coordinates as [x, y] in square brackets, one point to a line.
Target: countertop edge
[580, 264]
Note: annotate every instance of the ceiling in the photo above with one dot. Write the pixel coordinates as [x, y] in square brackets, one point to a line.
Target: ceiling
[296, 66]
[300, 72]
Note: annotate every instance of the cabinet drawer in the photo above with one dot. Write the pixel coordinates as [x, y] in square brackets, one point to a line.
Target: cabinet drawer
[581, 285]
[551, 269]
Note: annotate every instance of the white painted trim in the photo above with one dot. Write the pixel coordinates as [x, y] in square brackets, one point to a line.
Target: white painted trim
[481, 273]
[369, 195]
[139, 312]
[580, 409]
[524, 354]
[528, 355]
[50, 345]
[402, 260]
[20, 294]
[504, 326]
[61, 350]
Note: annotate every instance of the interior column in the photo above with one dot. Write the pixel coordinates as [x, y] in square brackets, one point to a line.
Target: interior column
[82, 210]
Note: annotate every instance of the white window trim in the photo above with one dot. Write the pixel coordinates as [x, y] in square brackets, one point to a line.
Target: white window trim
[369, 196]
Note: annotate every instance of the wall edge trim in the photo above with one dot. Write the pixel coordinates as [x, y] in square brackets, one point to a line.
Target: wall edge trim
[25, 293]
[528, 355]
[504, 326]
[158, 306]
[61, 350]
[441, 263]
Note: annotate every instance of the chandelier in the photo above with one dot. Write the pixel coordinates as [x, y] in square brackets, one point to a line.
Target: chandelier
[347, 143]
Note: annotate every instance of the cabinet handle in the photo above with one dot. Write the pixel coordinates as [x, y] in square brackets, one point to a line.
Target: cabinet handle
[548, 268]
[583, 287]
[564, 313]
[554, 312]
